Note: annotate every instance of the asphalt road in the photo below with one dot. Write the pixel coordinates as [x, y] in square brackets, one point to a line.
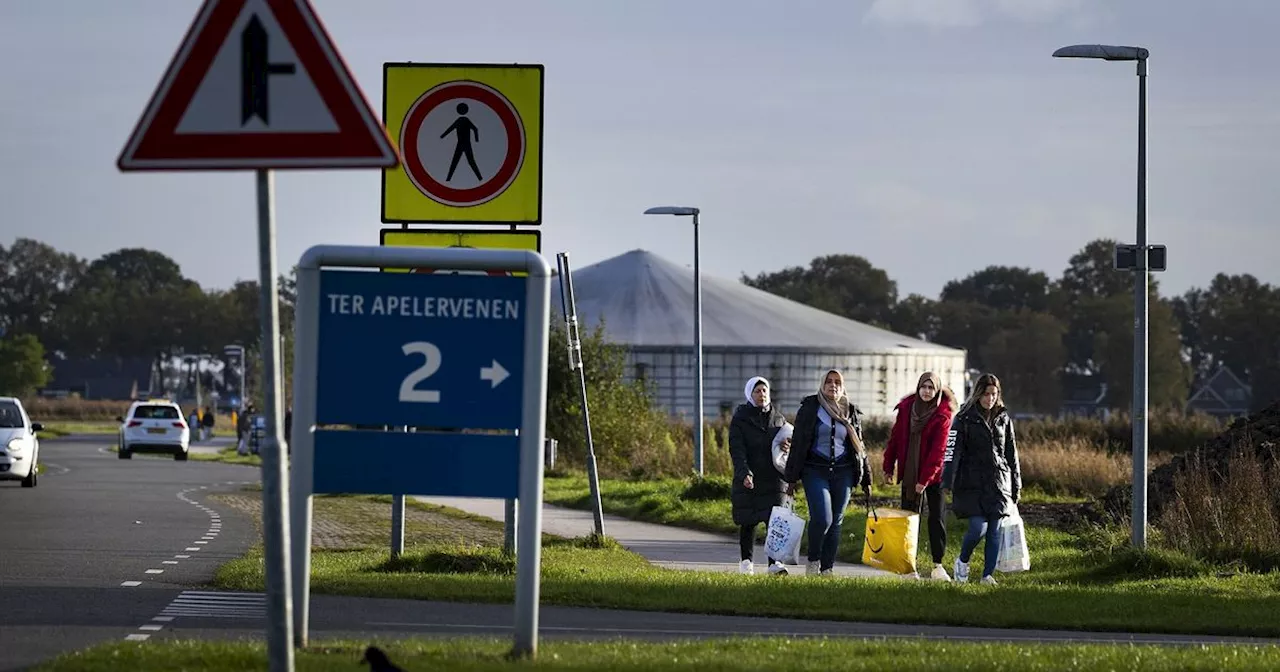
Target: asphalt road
[101, 545]
[109, 549]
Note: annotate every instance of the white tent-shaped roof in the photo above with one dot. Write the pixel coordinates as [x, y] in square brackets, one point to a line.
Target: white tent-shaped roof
[647, 302]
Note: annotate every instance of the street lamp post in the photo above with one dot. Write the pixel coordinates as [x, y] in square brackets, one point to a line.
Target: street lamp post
[697, 326]
[1140, 267]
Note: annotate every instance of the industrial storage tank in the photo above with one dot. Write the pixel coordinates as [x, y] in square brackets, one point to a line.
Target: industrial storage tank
[646, 303]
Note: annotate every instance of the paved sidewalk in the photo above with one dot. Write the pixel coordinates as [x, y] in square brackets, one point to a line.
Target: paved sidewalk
[663, 545]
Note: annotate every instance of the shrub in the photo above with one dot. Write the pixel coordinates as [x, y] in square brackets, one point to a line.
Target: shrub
[1227, 517]
[707, 488]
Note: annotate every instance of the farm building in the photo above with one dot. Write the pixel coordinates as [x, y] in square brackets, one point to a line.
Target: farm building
[646, 303]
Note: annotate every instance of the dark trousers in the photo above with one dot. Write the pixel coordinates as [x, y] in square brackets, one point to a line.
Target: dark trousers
[937, 512]
[747, 540]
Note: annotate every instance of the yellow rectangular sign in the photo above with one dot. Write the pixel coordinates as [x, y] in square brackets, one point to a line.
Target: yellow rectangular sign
[499, 240]
[470, 136]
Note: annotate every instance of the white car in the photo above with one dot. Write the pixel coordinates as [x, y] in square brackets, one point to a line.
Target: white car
[154, 427]
[19, 447]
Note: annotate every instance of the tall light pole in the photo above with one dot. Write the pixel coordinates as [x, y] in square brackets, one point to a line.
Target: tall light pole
[1139, 269]
[697, 326]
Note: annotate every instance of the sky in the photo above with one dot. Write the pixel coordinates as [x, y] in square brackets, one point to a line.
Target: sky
[933, 137]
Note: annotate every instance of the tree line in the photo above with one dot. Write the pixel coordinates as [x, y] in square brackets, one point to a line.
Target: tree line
[1040, 333]
[1037, 332]
[130, 303]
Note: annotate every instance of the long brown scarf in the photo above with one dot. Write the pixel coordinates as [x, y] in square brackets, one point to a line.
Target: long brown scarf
[921, 412]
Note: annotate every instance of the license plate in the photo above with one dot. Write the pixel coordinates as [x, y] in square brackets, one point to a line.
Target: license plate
[155, 430]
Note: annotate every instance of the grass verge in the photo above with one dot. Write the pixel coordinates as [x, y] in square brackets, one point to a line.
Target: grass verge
[67, 427]
[1070, 587]
[798, 655]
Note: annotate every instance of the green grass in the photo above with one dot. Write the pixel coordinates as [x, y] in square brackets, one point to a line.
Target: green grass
[721, 655]
[1068, 587]
[227, 455]
[64, 428]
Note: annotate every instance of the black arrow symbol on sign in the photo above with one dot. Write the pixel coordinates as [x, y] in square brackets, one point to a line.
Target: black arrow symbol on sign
[254, 71]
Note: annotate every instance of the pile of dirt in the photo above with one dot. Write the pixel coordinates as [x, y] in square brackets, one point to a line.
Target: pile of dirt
[1259, 433]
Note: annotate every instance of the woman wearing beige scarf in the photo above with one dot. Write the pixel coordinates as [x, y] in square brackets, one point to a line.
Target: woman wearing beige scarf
[828, 456]
[916, 446]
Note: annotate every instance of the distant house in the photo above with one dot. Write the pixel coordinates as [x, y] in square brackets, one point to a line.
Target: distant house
[1083, 395]
[1222, 395]
[103, 378]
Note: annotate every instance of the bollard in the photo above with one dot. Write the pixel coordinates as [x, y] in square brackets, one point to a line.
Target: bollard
[549, 453]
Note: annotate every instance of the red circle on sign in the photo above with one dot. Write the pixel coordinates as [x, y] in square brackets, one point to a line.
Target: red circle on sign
[412, 128]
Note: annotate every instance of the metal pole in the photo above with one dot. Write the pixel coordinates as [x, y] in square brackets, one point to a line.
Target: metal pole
[697, 348]
[570, 309]
[1140, 307]
[275, 485]
[510, 544]
[397, 526]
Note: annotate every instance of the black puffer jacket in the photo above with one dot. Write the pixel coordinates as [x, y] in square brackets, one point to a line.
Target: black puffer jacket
[981, 465]
[751, 435]
[802, 443]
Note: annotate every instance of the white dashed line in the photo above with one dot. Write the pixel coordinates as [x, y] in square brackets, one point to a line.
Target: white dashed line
[136, 638]
[155, 571]
[182, 557]
[151, 628]
[191, 548]
[162, 619]
[168, 562]
[199, 542]
[131, 584]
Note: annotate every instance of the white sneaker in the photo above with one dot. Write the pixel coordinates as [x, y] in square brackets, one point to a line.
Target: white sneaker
[811, 569]
[829, 573]
[746, 567]
[961, 570]
[778, 569]
[939, 573]
[989, 580]
[913, 576]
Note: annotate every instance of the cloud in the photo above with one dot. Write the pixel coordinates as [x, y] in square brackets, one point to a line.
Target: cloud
[967, 13]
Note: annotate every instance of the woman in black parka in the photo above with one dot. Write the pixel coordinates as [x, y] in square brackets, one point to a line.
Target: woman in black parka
[757, 485]
[981, 471]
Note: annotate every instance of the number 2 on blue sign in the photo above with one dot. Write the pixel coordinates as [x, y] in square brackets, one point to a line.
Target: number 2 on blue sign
[408, 393]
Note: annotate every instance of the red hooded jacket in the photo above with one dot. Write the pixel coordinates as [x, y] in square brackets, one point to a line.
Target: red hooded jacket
[933, 439]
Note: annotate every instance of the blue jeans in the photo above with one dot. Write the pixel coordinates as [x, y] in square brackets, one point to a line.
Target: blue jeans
[978, 527]
[828, 494]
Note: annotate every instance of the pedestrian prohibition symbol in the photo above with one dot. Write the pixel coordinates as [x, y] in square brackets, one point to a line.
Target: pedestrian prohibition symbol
[471, 138]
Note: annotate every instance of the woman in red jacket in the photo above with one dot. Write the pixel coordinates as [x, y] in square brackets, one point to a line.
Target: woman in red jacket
[916, 445]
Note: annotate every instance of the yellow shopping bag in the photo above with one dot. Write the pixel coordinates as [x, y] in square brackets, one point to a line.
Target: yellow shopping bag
[891, 540]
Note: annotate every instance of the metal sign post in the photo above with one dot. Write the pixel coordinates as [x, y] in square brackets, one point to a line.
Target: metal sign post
[463, 358]
[250, 110]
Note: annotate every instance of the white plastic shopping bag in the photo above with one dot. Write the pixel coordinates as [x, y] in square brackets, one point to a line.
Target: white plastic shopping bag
[1014, 556]
[782, 541]
[779, 456]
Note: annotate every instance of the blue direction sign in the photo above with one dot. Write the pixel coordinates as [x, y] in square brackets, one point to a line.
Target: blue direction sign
[423, 350]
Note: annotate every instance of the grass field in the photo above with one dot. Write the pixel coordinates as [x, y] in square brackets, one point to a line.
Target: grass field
[792, 655]
[1074, 584]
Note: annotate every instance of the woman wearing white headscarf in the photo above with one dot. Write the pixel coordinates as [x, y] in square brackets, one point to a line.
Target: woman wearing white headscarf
[757, 485]
[829, 457]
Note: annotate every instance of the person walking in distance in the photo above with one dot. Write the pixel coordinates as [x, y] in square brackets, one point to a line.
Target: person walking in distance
[916, 447]
[828, 455]
[757, 485]
[982, 473]
[464, 129]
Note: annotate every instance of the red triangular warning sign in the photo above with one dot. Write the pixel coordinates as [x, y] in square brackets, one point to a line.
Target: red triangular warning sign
[257, 84]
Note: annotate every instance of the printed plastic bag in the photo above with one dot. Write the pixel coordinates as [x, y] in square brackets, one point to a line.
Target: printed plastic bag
[891, 540]
[1014, 556]
[779, 456]
[782, 540]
